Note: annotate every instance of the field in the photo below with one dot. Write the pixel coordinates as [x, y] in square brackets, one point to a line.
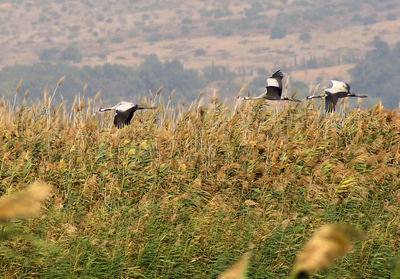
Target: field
[186, 191]
[229, 33]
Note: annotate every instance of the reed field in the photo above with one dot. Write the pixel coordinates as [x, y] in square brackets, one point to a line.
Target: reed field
[187, 191]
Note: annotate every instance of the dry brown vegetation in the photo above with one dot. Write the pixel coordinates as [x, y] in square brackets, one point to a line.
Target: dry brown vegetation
[183, 192]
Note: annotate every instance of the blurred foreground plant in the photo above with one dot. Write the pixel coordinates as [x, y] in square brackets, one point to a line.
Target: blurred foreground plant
[330, 242]
[25, 203]
[238, 270]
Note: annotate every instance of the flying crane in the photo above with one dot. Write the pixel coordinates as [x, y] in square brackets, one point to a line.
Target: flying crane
[338, 90]
[124, 112]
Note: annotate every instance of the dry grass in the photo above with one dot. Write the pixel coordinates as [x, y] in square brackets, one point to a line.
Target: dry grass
[182, 192]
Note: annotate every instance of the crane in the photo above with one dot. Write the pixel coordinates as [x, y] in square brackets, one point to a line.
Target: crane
[124, 112]
[274, 89]
[339, 89]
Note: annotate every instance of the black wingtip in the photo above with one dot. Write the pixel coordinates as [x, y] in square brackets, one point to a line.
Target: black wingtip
[330, 109]
[277, 74]
[121, 125]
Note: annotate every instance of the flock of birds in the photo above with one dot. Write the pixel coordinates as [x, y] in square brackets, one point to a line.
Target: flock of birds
[124, 110]
[331, 95]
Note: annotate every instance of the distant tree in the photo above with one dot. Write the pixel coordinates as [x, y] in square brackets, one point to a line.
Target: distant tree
[218, 13]
[186, 20]
[305, 37]
[115, 81]
[222, 28]
[357, 18]
[49, 54]
[278, 32]
[378, 75]
[217, 73]
[262, 25]
[117, 40]
[251, 13]
[100, 17]
[391, 16]
[171, 75]
[368, 20]
[72, 54]
[199, 52]
[185, 30]
[301, 3]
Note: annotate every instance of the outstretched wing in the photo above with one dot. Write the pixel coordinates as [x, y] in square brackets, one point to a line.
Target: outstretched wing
[278, 75]
[330, 102]
[123, 118]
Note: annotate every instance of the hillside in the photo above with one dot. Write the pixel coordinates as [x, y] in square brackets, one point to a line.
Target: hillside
[185, 194]
[243, 36]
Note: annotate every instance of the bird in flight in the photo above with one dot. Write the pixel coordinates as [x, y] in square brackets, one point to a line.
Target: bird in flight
[338, 90]
[124, 112]
[274, 89]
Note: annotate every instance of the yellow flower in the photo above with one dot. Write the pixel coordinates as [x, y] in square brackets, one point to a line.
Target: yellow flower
[143, 144]
[252, 144]
[182, 167]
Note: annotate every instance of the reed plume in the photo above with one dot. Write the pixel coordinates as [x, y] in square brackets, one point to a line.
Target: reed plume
[238, 270]
[330, 242]
[25, 203]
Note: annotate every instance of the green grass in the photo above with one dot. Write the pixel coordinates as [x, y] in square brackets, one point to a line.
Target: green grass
[187, 195]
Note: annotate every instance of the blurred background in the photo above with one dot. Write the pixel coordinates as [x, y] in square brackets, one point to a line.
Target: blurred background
[127, 47]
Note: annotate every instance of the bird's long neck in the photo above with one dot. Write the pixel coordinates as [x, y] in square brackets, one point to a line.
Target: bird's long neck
[262, 96]
[357, 96]
[314, 97]
[145, 107]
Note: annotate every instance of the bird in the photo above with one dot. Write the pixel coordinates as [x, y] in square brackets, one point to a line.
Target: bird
[339, 89]
[274, 89]
[124, 112]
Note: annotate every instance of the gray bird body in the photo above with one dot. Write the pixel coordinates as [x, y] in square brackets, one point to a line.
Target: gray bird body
[124, 112]
[339, 89]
